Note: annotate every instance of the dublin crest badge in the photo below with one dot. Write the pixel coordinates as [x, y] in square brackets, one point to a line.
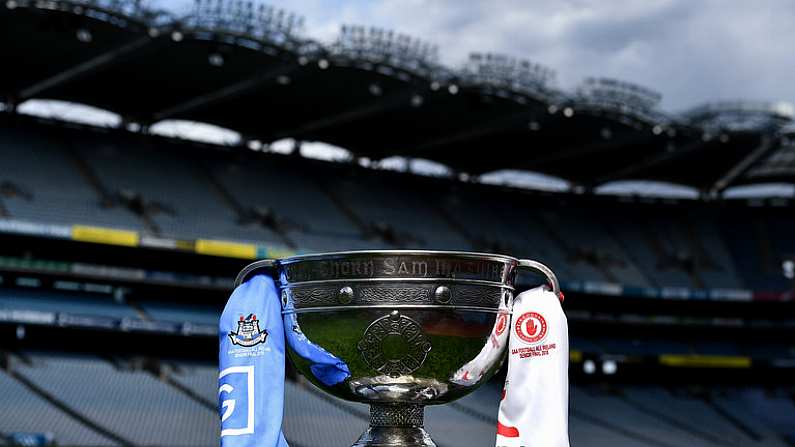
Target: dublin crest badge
[248, 332]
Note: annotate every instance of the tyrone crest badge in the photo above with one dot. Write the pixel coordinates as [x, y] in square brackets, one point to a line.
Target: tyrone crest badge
[531, 328]
[248, 332]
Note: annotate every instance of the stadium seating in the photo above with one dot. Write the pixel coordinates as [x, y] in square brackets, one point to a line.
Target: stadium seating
[498, 227]
[26, 412]
[78, 398]
[593, 247]
[634, 417]
[749, 406]
[59, 192]
[296, 199]
[75, 303]
[397, 204]
[134, 405]
[155, 186]
[180, 313]
[186, 205]
[103, 307]
[752, 250]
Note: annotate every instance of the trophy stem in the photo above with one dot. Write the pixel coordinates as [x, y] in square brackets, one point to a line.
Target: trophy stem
[396, 425]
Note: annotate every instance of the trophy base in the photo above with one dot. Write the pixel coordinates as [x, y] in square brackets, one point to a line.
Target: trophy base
[396, 425]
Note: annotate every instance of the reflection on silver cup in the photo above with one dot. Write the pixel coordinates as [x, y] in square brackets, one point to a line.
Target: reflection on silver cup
[397, 329]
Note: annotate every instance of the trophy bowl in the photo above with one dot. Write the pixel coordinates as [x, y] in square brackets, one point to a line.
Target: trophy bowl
[397, 329]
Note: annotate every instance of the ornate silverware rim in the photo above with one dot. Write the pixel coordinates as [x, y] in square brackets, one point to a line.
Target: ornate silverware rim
[343, 254]
[400, 280]
[504, 267]
[398, 306]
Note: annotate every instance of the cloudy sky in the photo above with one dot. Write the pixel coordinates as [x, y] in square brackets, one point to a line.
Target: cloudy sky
[691, 51]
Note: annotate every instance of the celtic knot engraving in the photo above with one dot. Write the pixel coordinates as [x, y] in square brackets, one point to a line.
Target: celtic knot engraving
[315, 296]
[425, 294]
[395, 294]
[394, 345]
[397, 415]
[477, 296]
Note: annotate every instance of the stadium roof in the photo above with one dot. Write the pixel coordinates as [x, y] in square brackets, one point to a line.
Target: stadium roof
[377, 94]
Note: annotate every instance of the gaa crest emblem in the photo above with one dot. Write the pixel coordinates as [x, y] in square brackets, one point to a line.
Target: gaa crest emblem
[531, 327]
[502, 323]
[248, 332]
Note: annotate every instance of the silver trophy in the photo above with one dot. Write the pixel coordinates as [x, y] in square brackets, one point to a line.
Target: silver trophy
[408, 328]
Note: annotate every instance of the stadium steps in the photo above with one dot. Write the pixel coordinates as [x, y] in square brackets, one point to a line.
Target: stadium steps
[92, 179]
[626, 247]
[644, 274]
[168, 180]
[200, 383]
[451, 222]
[591, 403]
[596, 431]
[732, 404]
[168, 373]
[231, 201]
[553, 235]
[581, 231]
[764, 247]
[749, 248]
[129, 402]
[343, 207]
[141, 312]
[187, 391]
[657, 235]
[393, 205]
[179, 313]
[680, 414]
[61, 194]
[693, 239]
[739, 424]
[592, 425]
[87, 172]
[313, 418]
[684, 234]
[722, 271]
[103, 434]
[652, 241]
[696, 279]
[75, 303]
[548, 226]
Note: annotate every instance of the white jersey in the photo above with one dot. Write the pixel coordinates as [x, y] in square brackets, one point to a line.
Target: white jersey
[472, 372]
[535, 401]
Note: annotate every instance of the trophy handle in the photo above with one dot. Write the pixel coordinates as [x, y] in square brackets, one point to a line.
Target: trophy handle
[544, 270]
[264, 264]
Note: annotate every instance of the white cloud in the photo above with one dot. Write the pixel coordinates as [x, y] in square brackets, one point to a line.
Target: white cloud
[691, 52]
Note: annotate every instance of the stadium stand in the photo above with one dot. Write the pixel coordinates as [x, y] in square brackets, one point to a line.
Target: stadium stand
[654, 416]
[83, 397]
[242, 198]
[276, 186]
[64, 305]
[132, 405]
[24, 411]
[118, 246]
[176, 312]
[171, 189]
[58, 193]
[75, 303]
